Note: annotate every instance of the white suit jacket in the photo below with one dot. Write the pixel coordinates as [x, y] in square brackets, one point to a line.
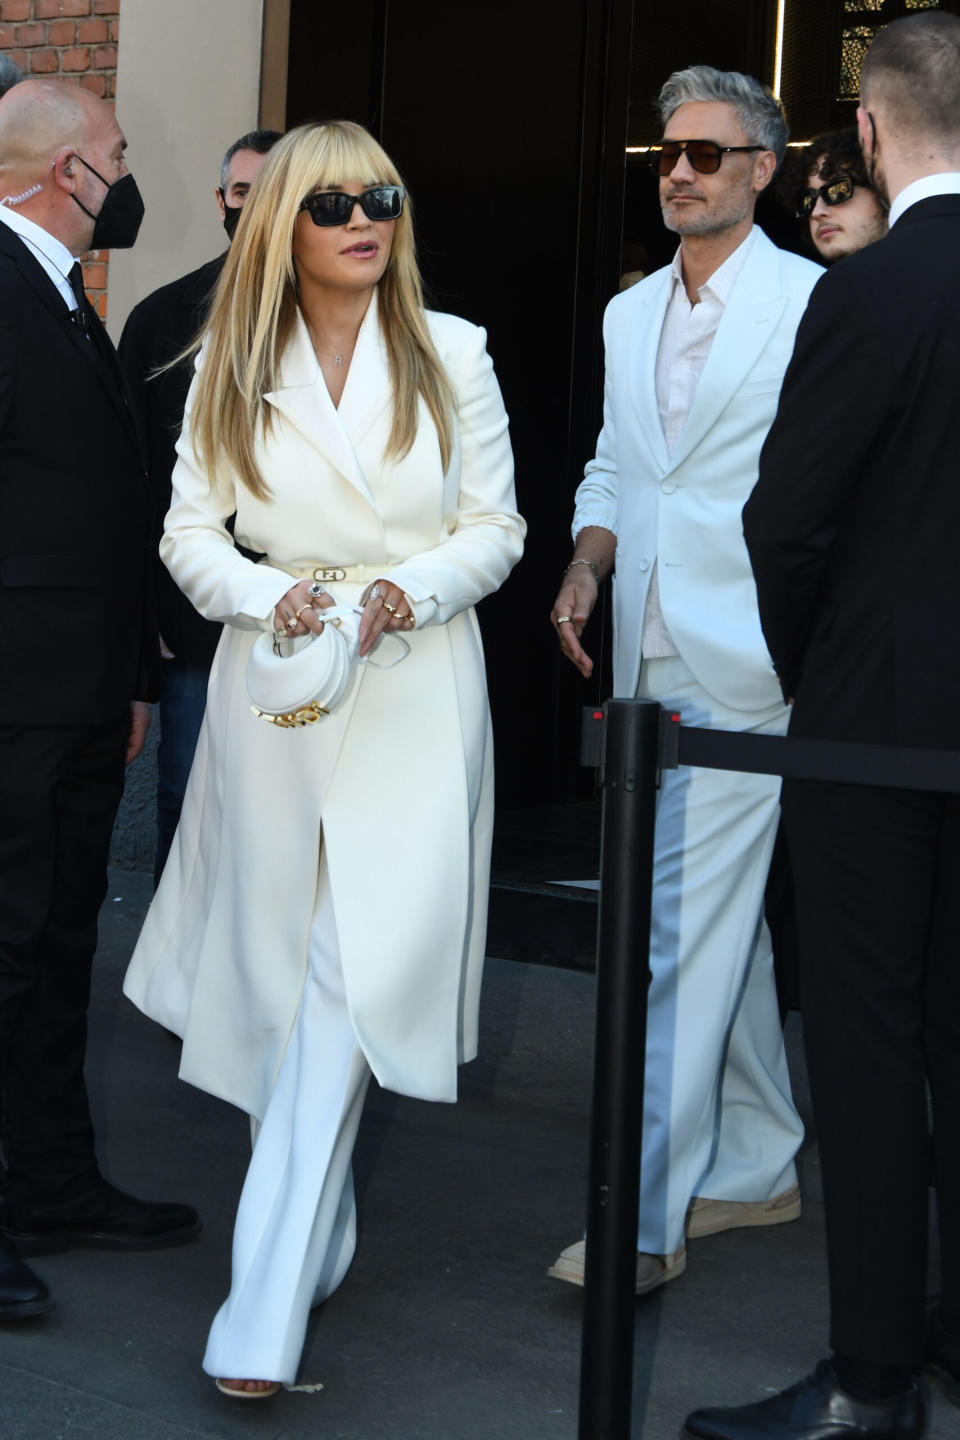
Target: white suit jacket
[685, 511]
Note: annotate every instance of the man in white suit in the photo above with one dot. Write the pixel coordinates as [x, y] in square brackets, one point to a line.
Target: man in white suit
[695, 355]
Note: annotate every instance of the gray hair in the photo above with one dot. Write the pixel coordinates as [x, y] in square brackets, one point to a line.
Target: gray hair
[261, 142]
[758, 109]
[10, 74]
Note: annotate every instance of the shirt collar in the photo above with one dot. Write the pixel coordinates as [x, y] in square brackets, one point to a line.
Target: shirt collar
[946, 183]
[721, 282]
[49, 246]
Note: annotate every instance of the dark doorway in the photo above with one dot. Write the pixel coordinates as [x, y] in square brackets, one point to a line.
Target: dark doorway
[511, 124]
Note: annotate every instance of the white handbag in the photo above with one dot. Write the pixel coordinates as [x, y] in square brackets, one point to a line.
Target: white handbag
[292, 682]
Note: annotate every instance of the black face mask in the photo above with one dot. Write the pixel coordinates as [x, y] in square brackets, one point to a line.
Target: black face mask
[117, 223]
[231, 216]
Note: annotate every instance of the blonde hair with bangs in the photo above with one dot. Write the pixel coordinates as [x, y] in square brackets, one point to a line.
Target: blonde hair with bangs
[255, 305]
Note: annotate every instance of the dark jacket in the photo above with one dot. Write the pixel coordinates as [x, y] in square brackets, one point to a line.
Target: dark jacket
[854, 525]
[77, 617]
[160, 327]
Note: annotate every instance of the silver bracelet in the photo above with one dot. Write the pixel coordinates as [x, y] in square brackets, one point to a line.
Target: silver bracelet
[594, 571]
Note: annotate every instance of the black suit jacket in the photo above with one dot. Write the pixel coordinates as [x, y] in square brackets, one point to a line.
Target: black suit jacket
[854, 525]
[77, 619]
[160, 327]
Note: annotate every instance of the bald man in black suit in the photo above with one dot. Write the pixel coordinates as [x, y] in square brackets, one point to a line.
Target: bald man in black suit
[77, 646]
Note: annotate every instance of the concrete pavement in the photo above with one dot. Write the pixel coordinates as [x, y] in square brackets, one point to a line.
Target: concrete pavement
[447, 1327]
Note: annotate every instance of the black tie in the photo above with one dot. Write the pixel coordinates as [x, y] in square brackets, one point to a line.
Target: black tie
[101, 352]
[79, 316]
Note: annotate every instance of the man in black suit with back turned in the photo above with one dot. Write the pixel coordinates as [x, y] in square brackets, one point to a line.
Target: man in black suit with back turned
[157, 330]
[854, 534]
[77, 646]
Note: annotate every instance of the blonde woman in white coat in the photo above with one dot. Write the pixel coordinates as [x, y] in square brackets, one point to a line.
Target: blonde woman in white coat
[323, 910]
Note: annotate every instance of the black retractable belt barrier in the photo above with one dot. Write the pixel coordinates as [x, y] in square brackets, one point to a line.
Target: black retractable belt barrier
[634, 740]
[843, 761]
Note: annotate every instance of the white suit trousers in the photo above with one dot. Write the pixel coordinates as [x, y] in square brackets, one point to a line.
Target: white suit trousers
[296, 1224]
[718, 1115]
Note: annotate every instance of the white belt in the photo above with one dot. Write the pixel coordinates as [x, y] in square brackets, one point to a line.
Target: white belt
[330, 574]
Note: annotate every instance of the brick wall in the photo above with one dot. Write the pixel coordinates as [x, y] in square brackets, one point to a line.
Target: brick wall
[76, 39]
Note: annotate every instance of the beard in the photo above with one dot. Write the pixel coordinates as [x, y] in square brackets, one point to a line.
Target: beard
[878, 176]
[708, 215]
[874, 167]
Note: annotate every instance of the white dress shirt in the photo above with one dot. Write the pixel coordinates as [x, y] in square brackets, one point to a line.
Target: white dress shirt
[46, 249]
[685, 340]
[946, 183]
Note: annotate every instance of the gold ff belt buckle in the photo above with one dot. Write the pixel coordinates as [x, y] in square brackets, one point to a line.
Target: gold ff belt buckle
[329, 572]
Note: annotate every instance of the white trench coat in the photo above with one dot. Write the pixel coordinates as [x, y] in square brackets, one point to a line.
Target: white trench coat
[398, 780]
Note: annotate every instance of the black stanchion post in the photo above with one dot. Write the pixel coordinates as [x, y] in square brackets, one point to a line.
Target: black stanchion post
[631, 746]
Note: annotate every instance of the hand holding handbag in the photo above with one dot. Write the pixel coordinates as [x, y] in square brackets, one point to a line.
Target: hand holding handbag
[292, 682]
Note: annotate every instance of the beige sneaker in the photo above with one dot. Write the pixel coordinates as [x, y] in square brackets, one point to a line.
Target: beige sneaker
[652, 1270]
[709, 1217]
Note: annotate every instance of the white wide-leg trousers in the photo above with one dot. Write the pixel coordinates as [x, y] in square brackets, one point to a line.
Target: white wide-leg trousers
[718, 1115]
[296, 1224]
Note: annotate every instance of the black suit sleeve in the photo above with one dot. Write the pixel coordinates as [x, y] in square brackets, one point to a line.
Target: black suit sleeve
[838, 393]
[7, 367]
[137, 364]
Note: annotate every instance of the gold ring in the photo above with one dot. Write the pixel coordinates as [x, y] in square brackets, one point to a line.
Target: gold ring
[301, 610]
[292, 623]
[388, 606]
[407, 619]
[563, 619]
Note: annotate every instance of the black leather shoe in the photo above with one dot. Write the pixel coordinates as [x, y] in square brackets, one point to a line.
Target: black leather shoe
[943, 1353]
[106, 1219]
[22, 1293]
[816, 1409]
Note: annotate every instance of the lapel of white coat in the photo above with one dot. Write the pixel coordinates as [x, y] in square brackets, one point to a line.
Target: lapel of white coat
[644, 340]
[749, 320]
[367, 392]
[303, 399]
